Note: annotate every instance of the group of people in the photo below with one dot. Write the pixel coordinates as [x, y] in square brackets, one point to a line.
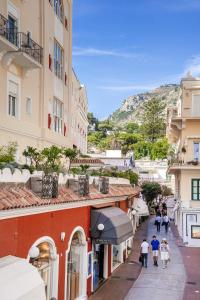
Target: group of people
[155, 247]
[161, 217]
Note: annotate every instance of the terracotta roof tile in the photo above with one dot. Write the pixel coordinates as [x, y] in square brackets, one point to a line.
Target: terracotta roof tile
[87, 161]
[20, 196]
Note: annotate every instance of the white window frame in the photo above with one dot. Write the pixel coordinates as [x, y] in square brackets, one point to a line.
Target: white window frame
[58, 60]
[30, 111]
[57, 117]
[16, 80]
[54, 271]
[58, 9]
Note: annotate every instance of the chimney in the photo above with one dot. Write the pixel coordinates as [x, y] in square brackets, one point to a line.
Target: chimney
[104, 185]
[83, 185]
[36, 185]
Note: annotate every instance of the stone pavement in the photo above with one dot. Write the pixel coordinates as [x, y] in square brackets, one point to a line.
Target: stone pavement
[190, 257]
[157, 283]
[122, 279]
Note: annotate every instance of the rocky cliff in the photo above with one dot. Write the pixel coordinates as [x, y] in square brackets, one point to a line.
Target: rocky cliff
[131, 107]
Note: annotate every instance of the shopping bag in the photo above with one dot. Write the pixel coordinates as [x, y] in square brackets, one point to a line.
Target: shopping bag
[141, 258]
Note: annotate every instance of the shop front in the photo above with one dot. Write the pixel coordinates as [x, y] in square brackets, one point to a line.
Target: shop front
[76, 266]
[111, 232]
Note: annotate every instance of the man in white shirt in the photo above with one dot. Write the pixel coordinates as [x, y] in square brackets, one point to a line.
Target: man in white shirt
[144, 250]
[166, 222]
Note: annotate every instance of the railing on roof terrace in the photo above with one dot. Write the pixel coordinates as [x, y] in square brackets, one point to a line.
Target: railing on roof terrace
[28, 46]
[9, 33]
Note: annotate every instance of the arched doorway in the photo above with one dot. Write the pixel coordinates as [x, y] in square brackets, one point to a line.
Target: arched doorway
[76, 268]
[43, 256]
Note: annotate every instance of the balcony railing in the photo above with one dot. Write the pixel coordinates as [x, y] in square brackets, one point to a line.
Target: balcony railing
[21, 40]
[7, 32]
[28, 46]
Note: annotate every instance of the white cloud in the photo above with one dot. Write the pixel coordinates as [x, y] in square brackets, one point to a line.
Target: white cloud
[102, 52]
[193, 65]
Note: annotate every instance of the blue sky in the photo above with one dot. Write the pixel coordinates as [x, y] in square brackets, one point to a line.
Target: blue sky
[121, 48]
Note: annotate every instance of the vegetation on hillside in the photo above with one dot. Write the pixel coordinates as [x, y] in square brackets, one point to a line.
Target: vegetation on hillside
[146, 139]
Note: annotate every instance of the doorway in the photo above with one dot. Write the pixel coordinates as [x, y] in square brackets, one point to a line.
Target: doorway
[98, 265]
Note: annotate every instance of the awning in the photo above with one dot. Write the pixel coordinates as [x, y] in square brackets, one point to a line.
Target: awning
[115, 226]
[141, 207]
[19, 280]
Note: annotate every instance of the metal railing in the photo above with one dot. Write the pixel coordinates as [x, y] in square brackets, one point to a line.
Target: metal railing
[9, 33]
[20, 39]
[29, 46]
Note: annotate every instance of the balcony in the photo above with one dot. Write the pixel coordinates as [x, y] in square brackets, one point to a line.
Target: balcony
[8, 36]
[18, 47]
[177, 164]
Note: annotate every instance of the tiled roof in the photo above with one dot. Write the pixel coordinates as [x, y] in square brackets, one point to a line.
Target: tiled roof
[87, 161]
[19, 196]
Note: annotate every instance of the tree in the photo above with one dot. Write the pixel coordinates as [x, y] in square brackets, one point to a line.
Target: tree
[160, 149]
[70, 154]
[142, 149]
[34, 155]
[153, 119]
[132, 127]
[92, 120]
[150, 191]
[166, 191]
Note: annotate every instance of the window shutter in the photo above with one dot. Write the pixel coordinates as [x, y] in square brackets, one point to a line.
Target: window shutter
[65, 129]
[50, 62]
[66, 24]
[196, 106]
[49, 121]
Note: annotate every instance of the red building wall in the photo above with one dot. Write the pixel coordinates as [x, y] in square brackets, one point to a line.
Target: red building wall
[17, 235]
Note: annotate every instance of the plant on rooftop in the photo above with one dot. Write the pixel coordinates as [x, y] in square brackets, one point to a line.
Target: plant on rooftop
[84, 168]
[7, 152]
[132, 176]
[70, 154]
[51, 158]
[34, 156]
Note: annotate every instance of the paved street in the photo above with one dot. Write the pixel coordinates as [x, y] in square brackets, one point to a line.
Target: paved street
[157, 283]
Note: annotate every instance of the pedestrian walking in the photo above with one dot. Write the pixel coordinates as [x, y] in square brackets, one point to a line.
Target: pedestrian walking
[166, 223]
[157, 222]
[164, 253]
[155, 244]
[144, 250]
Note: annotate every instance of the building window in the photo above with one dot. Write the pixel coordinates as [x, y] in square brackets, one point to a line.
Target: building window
[13, 99]
[196, 151]
[12, 30]
[58, 60]
[196, 105]
[58, 8]
[116, 256]
[57, 115]
[28, 105]
[195, 189]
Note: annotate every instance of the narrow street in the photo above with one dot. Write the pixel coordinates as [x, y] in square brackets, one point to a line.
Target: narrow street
[157, 283]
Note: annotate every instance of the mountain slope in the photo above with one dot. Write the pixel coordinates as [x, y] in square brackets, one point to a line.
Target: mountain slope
[131, 107]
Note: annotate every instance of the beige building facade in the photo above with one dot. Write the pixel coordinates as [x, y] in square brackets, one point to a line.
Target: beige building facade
[183, 131]
[79, 122]
[36, 73]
